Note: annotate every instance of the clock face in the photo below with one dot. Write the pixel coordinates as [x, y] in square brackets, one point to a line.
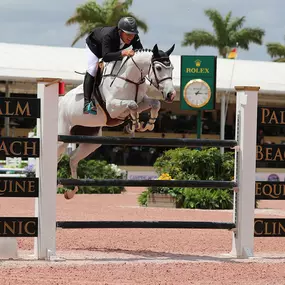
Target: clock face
[197, 93]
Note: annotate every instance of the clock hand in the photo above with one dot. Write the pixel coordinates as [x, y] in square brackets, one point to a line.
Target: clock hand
[196, 93]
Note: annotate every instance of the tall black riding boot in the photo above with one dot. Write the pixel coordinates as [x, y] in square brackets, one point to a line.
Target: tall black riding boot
[88, 86]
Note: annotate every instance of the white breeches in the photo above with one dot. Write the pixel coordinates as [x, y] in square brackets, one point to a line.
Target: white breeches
[92, 60]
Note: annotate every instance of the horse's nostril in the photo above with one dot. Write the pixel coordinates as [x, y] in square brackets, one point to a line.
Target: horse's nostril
[169, 95]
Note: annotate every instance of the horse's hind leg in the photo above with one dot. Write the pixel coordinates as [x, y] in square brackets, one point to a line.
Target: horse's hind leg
[61, 147]
[82, 151]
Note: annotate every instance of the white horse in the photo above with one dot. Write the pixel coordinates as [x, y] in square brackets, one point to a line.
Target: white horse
[122, 95]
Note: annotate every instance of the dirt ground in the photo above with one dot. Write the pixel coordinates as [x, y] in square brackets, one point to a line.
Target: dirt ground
[141, 256]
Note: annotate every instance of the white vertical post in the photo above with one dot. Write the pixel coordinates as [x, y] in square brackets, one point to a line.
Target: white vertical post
[222, 120]
[245, 159]
[45, 205]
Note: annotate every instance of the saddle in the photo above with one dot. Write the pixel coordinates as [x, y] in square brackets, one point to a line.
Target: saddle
[97, 97]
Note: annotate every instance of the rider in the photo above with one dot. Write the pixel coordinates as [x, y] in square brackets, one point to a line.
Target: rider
[108, 43]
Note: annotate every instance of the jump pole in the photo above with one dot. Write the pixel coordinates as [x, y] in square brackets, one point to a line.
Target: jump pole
[245, 168]
[46, 170]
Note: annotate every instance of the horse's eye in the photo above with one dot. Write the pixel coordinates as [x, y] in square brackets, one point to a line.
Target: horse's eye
[158, 68]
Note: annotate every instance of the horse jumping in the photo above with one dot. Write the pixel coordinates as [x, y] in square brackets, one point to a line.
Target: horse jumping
[121, 94]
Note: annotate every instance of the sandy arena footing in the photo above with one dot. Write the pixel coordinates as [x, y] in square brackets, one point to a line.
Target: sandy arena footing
[142, 256]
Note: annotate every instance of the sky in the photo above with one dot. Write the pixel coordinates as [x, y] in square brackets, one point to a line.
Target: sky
[42, 22]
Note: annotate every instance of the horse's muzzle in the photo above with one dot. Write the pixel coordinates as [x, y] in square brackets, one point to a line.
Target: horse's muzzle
[170, 96]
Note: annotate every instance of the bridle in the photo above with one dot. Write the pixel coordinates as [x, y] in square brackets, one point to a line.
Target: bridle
[143, 77]
[160, 60]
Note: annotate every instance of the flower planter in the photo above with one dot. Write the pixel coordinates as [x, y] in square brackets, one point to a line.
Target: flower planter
[161, 200]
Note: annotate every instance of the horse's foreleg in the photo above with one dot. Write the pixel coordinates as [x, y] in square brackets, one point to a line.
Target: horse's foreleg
[117, 108]
[135, 120]
[82, 151]
[154, 106]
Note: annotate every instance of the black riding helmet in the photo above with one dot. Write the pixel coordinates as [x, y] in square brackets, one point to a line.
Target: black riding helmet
[128, 25]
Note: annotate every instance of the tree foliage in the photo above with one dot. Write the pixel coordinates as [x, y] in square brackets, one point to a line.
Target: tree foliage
[228, 31]
[91, 15]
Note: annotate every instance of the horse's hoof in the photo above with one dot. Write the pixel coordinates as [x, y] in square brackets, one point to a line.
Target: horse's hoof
[150, 127]
[129, 130]
[142, 128]
[68, 195]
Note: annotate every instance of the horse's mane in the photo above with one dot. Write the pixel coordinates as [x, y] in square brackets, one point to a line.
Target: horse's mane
[143, 50]
[161, 56]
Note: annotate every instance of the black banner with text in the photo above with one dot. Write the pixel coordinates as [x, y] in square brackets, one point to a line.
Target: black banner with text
[20, 107]
[269, 190]
[19, 147]
[270, 156]
[18, 227]
[269, 227]
[267, 116]
[19, 187]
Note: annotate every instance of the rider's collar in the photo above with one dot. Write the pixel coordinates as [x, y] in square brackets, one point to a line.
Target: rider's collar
[121, 43]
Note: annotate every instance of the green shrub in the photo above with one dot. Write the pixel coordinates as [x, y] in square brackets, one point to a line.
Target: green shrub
[142, 199]
[206, 164]
[207, 198]
[193, 164]
[92, 169]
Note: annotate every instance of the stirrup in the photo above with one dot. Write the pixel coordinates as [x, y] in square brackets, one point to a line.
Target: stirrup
[90, 109]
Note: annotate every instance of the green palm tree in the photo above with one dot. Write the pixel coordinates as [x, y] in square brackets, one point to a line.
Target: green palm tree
[228, 32]
[91, 15]
[276, 50]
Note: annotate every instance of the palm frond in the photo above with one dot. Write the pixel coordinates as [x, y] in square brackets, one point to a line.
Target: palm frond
[275, 49]
[248, 35]
[199, 38]
[236, 24]
[228, 18]
[218, 24]
[86, 13]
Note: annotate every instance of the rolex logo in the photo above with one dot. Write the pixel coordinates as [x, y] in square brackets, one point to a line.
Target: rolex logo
[197, 62]
[197, 68]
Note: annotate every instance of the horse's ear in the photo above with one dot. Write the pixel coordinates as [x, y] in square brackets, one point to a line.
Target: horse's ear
[155, 50]
[169, 52]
